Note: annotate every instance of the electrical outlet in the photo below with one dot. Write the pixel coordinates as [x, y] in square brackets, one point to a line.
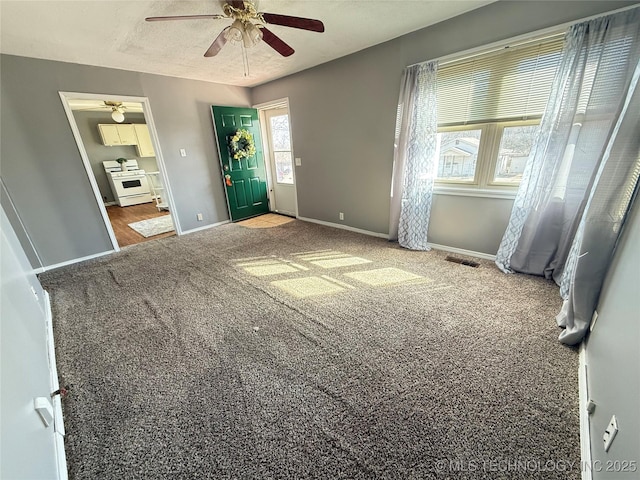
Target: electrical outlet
[341, 216]
[199, 217]
[298, 161]
[610, 433]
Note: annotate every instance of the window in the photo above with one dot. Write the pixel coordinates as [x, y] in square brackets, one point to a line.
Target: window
[515, 146]
[489, 110]
[458, 155]
[282, 148]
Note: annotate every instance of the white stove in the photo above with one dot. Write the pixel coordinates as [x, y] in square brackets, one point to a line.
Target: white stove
[129, 183]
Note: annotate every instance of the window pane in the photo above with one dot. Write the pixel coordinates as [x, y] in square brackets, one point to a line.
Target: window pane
[284, 167]
[515, 146]
[280, 132]
[458, 155]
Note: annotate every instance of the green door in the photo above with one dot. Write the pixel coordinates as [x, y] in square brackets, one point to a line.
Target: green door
[245, 178]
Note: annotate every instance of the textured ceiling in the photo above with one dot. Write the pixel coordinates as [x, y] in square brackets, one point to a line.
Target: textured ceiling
[113, 33]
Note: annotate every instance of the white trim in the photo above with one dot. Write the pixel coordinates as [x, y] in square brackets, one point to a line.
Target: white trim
[279, 103]
[585, 435]
[206, 227]
[102, 254]
[75, 260]
[266, 152]
[264, 108]
[64, 97]
[164, 176]
[475, 192]
[462, 251]
[345, 227]
[61, 459]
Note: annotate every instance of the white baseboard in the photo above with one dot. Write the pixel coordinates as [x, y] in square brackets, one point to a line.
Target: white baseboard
[110, 204]
[585, 435]
[61, 458]
[345, 227]
[71, 262]
[205, 227]
[82, 259]
[462, 251]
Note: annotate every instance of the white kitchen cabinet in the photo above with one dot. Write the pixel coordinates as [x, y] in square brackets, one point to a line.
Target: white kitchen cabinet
[127, 134]
[109, 134]
[144, 146]
[112, 134]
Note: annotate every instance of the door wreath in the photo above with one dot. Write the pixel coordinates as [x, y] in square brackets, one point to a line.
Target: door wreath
[241, 144]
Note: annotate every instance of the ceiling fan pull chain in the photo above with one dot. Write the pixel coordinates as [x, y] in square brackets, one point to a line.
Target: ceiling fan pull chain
[245, 60]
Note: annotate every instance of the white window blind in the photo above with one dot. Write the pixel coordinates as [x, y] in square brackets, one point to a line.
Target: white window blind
[511, 84]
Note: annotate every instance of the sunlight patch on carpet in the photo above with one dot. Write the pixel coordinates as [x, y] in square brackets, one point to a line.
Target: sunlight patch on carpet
[322, 255]
[264, 270]
[340, 262]
[257, 263]
[270, 266]
[338, 282]
[307, 287]
[383, 276]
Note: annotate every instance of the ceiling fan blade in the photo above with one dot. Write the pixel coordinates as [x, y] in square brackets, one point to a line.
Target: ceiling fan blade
[214, 16]
[239, 4]
[294, 22]
[276, 42]
[217, 44]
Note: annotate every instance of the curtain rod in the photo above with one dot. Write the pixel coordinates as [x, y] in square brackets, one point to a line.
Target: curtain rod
[518, 40]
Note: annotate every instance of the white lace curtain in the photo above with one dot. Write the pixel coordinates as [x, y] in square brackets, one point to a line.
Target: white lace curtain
[414, 160]
[582, 174]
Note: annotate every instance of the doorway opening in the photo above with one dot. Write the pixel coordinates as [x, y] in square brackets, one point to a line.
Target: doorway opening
[275, 122]
[118, 144]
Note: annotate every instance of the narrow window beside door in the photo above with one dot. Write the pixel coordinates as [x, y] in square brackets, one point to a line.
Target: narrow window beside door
[282, 149]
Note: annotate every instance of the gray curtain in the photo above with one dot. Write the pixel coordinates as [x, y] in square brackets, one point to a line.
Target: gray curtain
[414, 160]
[583, 170]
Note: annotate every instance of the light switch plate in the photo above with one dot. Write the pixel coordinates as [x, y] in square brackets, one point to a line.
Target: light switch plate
[298, 162]
[183, 152]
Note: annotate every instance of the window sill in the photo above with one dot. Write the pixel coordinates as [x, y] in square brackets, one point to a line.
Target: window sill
[475, 192]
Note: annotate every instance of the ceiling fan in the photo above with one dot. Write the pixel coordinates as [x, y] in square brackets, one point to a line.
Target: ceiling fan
[248, 26]
[117, 109]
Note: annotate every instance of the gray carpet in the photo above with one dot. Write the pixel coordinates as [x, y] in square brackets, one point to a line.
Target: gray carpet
[302, 351]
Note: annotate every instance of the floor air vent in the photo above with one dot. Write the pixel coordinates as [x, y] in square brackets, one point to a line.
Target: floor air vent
[462, 261]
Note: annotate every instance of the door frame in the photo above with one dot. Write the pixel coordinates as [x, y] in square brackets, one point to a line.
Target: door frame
[146, 110]
[262, 108]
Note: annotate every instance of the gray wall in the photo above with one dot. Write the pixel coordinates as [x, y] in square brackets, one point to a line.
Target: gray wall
[343, 120]
[42, 168]
[87, 123]
[613, 356]
[27, 448]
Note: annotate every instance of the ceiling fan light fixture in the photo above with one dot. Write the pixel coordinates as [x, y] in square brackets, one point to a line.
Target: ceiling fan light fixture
[235, 32]
[117, 115]
[252, 35]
